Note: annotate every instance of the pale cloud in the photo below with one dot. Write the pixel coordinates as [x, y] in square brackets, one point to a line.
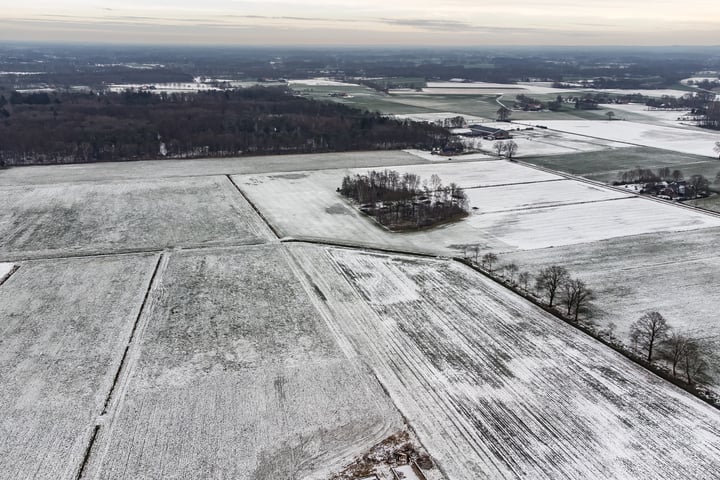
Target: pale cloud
[372, 22]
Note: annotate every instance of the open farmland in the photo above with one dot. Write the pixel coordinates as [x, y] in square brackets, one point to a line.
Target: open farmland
[674, 273]
[497, 388]
[148, 169]
[683, 140]
[125, 216]
[548, 211]
[65, 324]
[605, 166]
[237, 376]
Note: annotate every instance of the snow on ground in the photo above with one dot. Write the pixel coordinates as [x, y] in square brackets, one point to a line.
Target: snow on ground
[149, 169]
[497, 388]
[529, 229]
[537, 88]
[532, 143]
[237, 374]
[5, 269]
[669, 138]
[537, 195]
[126, 215]
[439, 116]
[425, 155]
[320, 82]
[648, 93]
[673, 118]
[548, 211]
[673, 273]
[65, 325]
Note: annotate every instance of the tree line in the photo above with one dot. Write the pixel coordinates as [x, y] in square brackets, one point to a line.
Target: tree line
[48, 128]
[553, 285]
[652, 337]
[673, 353]
[404, 201]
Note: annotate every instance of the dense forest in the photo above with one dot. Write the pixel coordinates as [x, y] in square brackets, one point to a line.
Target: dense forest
[404, 202]
[49, 128]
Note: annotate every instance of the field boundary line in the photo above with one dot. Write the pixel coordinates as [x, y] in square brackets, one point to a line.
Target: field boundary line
[7, 276]
[223, 173]
[133, 331]
[254, 207]
[557, 205]
[330, 316]
[88, 449]
[114, 399]
[155, 250]
[357, 246]
[584, 135]
[618, 347]
[596, 183]
[532, 182]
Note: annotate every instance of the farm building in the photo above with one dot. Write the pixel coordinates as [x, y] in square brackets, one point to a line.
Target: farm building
[489, 133]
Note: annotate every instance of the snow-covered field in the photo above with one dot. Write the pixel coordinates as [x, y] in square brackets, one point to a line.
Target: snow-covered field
[678, 139]
[65, 324]
[5, 269]
[149, 169]
[238, 376]
[497, 388]
[537, 88]
[425, 155]
[528, 229]
[525, 209]
[672, 118]
[321, 82]
[536, 142]
[125, 215]
[439, 116]
[526, 196]
[673, 273]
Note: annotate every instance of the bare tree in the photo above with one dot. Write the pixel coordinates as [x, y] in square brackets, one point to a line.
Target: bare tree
[663, 173]
[488, 260]
[510, 148]
[695, 361]
[475, 250]
[524, 280]
[648, 331]
[549, 280]
[673, 350]
[511, 269]
[503, 113]
[677, 175]
[610, 115]
[698, 184]
[717, 149]
[576, 297]
[499, 147]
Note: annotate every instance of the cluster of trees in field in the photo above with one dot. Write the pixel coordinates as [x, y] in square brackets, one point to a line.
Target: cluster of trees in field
[711, 118]
[684, 354]
[46, 128]
[705, 83]
[697, 102]
[404, 201]
[525, 103]
[666, 181]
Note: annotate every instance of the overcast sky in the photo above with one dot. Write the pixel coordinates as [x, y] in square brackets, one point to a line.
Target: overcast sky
[368, 22]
